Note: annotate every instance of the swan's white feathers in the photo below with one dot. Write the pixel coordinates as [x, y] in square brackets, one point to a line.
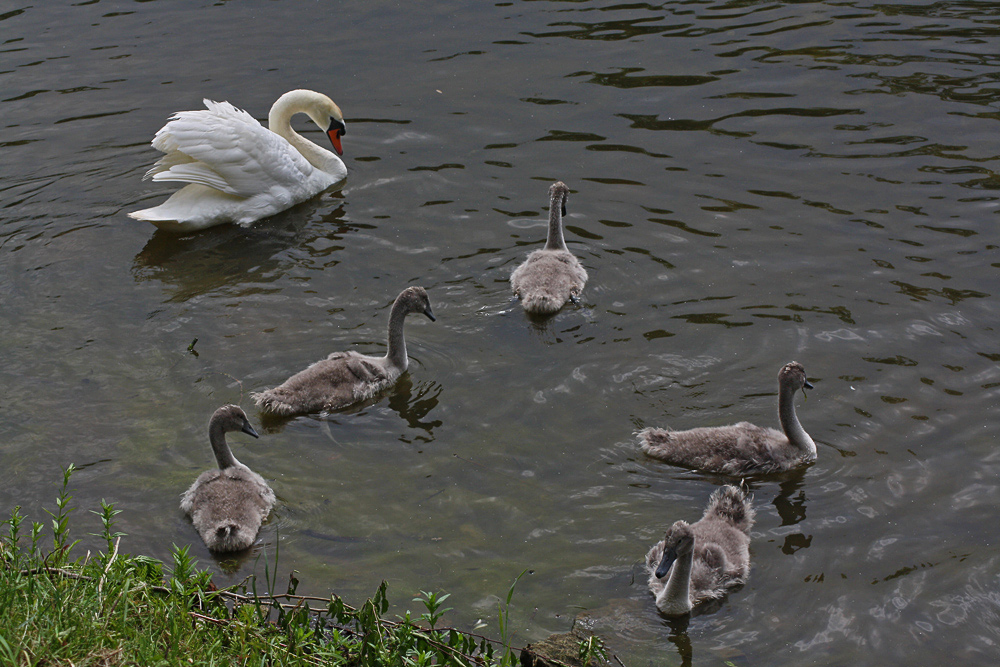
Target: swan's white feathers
[169, 160]
[195, 172]
[226, 149]
[235, 170]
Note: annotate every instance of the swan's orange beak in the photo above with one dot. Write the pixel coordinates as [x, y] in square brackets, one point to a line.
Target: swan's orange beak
[335, 133]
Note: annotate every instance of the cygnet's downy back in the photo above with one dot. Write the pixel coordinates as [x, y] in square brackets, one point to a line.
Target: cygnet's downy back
[550, 277]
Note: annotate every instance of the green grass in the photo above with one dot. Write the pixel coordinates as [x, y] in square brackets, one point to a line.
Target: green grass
[114, 609]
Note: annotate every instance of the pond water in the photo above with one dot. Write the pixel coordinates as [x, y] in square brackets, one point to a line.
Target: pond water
[753, 182]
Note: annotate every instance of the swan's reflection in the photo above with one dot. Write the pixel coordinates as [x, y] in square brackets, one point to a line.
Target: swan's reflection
[230, 255]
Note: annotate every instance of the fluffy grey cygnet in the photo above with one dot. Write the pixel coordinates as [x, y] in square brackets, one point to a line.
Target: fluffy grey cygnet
[550, 277]
[345, 378]
[228, 505]
[698, 562]
[741, 448]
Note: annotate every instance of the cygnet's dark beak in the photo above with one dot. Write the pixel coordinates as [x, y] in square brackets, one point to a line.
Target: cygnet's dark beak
[806, 385]
[336, 130]
[669, 556]
[564, 208]
[248, 429]
[429, 314]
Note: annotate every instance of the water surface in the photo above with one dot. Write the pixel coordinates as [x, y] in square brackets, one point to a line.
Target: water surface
[753, 182]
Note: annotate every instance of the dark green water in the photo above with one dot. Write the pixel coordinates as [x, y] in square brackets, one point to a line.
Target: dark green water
[753, 182]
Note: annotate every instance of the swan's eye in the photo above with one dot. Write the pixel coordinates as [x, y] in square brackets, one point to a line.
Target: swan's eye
[339, 126]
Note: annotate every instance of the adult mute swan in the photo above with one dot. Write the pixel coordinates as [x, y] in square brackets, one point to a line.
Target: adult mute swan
[228, 505]
[741, 448]
[236, 170]
[550, 277]
[698, 562]
[345, 378]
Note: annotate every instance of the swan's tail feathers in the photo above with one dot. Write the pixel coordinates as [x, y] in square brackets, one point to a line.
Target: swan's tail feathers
[733, 506]
[225, 531]
[146, 215]
[161, 217]
[170, 221]
[268, 402]
[228, 537]
[542, 304]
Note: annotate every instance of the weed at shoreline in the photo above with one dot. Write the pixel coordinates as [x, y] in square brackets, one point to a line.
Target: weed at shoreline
[114, 608]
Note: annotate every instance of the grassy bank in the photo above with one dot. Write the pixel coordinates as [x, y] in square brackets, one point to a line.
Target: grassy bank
[112, 608]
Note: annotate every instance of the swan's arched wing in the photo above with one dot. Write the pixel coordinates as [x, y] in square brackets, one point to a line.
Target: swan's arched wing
[226, 149]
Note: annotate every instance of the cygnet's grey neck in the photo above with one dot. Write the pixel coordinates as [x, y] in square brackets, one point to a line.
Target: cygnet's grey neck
[676, 595]
[224, 455]
[790, 422]
[555, 239]
[396, 354]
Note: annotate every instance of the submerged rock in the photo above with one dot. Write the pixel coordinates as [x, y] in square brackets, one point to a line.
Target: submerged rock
[561, 650]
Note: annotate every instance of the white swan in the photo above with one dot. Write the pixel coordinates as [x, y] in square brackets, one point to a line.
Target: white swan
[228, 505]
[238, 171]
[551, 276]
[698, 562]
[743, 448]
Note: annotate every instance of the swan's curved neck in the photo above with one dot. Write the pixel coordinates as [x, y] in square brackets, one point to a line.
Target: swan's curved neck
[555, 239]
[396, 354]
[676, 595]
[224, 455]
[790, 423]
[279, 121]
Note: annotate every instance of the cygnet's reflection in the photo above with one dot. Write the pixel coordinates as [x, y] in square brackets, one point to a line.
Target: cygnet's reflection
[791, 505]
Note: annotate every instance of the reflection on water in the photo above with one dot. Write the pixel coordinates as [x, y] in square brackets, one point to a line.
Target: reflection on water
[753, 183]
[415, 404]
[232, 563]
[790, 504]
[679, 637]
[229, 255]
